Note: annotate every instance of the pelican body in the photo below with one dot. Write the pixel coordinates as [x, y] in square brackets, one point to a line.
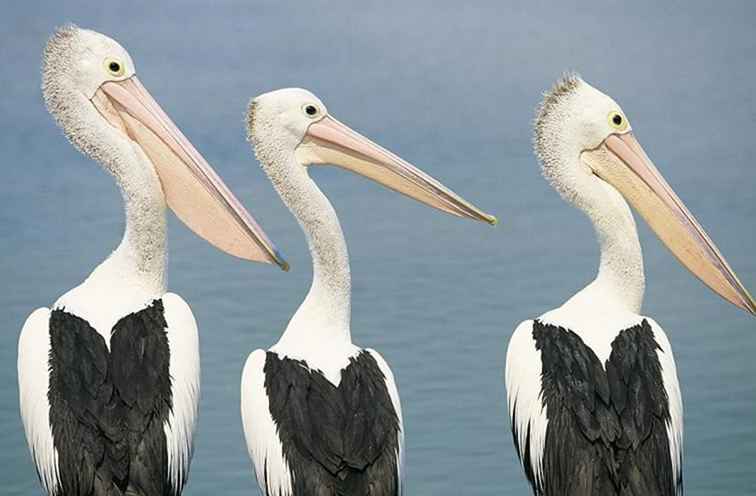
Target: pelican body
[109, 376]
[592, 386]
[321, 415]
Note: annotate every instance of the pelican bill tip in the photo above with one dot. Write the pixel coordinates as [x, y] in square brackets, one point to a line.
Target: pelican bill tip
[283, 264]
[751, 305]
[279, 259]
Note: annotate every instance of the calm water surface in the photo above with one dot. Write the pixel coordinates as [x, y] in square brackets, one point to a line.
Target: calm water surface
[451, 88]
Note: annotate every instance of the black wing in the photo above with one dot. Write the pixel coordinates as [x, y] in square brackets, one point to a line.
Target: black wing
[607, 427]
[337, 440]
[107, 408]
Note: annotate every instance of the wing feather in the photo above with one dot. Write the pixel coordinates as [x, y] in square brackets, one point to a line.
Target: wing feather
[264, 446]
[33, 384]
[183, 342]
[394, 394]
[672, 386]
[526, 409]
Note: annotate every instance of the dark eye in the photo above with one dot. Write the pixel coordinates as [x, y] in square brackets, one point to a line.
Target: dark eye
[617, 121]
[114, 67]
[311, 110]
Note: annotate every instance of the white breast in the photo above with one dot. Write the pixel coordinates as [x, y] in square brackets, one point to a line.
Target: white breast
[107, 296]
[329, 357]
[594, 317]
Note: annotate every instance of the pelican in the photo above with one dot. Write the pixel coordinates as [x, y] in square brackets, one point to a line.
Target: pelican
[109, 376]
[320, 414]
[592, 386]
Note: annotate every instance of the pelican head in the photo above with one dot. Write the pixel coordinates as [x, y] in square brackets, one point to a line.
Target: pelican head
[586, 144]
[296, 121]
[91, 88]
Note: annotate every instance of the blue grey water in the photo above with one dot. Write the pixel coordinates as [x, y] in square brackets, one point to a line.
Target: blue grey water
[450, 86]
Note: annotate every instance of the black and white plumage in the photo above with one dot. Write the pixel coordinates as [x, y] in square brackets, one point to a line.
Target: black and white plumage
[332, 439]
[111, 411]
[322, 416]
[596, 425]
[109, 376]
[592, 386]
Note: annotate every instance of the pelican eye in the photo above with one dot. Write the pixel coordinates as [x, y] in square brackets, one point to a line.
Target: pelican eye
[310, 110]
[617, 121]
[114, 67]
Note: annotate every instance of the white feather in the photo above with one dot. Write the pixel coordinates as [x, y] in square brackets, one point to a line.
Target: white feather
[109, 293]
[183, 342]
[394, 394]
[595, 317]
[33, 382]
[672, 386]
[526, 408]
[261, 432]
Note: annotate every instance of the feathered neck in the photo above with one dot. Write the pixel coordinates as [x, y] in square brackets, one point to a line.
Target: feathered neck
[325, 314]
[620, 280]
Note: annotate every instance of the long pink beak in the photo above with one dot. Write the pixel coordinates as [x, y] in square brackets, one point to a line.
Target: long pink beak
[622, 162]
[193, 190]
[329, 141]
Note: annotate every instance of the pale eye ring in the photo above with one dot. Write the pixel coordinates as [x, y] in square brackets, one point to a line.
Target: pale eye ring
[617, 121]
[114, 67]
[310, 110]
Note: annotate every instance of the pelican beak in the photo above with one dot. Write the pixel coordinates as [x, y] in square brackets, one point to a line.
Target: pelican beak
[193, 190]
[331, 142]
[621, 162]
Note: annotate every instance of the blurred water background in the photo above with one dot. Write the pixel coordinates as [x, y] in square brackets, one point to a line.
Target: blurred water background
[450, 86]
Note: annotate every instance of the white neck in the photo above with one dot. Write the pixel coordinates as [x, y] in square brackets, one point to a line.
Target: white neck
[134, 274]
[620, 276]
[323, 319]
[612, 301]
[140, 258]
[620, 281]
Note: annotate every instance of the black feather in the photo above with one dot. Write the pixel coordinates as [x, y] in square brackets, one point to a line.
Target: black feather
[108, 408]
[338, 441]
[606, 433]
